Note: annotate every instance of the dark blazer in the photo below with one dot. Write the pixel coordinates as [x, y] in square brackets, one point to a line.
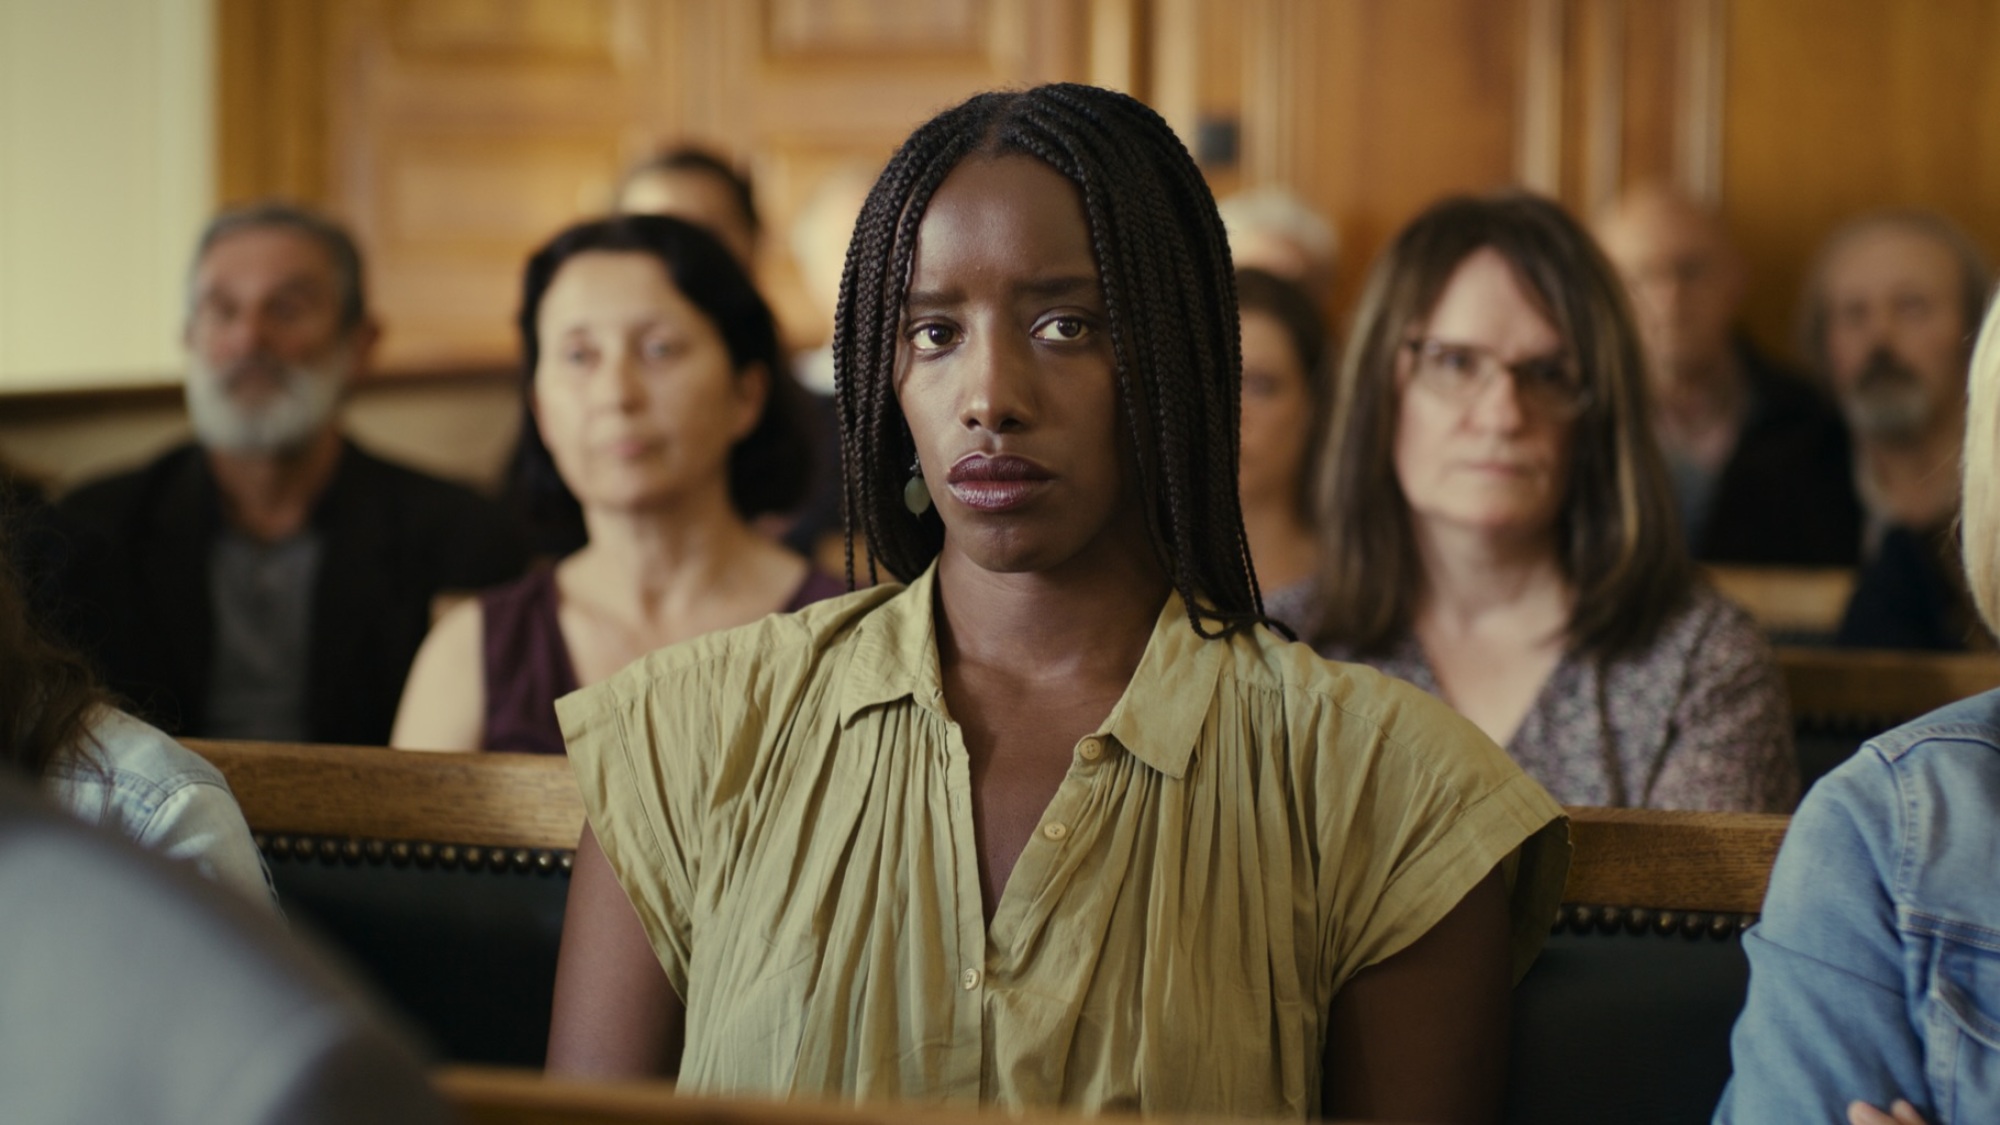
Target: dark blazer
[391, 539]
[1786, 495]
[1912, 594]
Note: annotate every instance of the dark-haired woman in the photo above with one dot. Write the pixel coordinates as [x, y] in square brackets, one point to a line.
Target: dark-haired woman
[104, 766]
[1060, 821]
[658, 394]
[1287, 411]
[1500, 531]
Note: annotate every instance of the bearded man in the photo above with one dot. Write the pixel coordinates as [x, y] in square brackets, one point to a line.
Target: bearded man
[1889, 316]
[272, 580]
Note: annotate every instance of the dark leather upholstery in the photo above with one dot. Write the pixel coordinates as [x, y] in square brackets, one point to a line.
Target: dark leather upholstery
[1626, 1027]
[467, 954]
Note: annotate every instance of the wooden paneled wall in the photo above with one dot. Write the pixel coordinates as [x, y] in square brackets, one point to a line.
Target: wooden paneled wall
[458, 133]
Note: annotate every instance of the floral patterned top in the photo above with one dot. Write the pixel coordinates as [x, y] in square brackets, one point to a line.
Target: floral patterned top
[1696, 720]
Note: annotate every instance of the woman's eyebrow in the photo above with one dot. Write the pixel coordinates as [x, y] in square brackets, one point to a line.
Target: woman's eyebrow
[930, 298]
[1051, 288]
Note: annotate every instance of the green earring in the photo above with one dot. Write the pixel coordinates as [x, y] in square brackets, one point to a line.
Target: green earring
[917, 494]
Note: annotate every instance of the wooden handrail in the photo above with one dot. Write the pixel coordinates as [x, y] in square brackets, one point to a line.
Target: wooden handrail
[511, 800]
[1718, 862]
[1878, 687]
[497, 1096]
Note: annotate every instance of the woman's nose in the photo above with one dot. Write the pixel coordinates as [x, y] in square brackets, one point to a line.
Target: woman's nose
[998, 387]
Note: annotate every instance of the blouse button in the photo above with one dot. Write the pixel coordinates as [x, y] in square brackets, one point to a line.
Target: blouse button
[970, 980]
[1055, 830]
[1092, 750]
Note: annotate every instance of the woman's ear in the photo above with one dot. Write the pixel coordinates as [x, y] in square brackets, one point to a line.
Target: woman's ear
[752, 389]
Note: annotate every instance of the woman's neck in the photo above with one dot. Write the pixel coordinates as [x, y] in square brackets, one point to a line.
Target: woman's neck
[653, 563]
[1282, 547]
[1475, 582]
[1086, 623]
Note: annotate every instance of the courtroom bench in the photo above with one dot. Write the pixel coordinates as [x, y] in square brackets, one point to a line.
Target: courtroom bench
[1797, 605]
[1841, 698]
[443, 877]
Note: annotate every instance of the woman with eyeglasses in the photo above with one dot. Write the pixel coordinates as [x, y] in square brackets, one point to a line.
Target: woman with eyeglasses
[1500, 530]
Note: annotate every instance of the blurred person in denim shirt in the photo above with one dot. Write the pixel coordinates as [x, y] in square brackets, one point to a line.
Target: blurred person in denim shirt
[1875, 972]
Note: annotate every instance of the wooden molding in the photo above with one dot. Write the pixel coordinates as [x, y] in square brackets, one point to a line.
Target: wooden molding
[1538, 136]
[271, 100]
[1698, 116]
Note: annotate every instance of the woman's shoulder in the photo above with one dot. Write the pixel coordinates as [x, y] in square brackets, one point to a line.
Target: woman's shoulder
[136, 753]
[127, 769]
[1362, 708]
[1705, 627]
[747, 656]
[1949, 755]
[1915, 805]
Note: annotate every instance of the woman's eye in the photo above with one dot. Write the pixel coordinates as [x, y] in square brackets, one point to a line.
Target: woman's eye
[1457, 363]
[662, 349]
[577, 355]
[932, 337]
[1067, 329]
[1258, 385]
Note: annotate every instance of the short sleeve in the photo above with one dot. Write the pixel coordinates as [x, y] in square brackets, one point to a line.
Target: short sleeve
[1418, 806]
[636, 763]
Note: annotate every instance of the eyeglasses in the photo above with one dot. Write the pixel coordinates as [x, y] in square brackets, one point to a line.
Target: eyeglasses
[1549, 385]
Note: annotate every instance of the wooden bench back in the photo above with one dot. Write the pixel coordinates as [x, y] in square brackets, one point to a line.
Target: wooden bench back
[1794, 600]
[1624, 857]
[1864, 689]
[370, 793]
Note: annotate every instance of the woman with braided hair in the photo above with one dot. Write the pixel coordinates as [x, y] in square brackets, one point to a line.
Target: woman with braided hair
[1059, 821]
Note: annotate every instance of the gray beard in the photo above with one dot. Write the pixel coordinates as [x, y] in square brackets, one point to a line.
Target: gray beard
[305, 401]
[1889, 403]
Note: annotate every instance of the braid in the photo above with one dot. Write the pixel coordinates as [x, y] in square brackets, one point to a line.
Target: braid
[1170, 299]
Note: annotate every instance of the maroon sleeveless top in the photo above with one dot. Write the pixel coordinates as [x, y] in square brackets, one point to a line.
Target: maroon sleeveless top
[527, 666]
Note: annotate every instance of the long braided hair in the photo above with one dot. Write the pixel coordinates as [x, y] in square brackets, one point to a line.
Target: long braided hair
[1170, 298]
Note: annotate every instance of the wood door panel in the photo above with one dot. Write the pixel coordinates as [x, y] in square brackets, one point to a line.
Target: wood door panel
[543, 31]
[906, 30]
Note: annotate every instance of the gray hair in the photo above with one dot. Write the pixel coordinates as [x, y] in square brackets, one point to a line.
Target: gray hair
[1272, 208]
[349, 283]
[1975, 275]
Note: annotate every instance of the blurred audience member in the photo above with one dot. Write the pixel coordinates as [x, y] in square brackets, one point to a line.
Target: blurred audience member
[132, 992]
[57, 729]
[1871, 971]
[819, 235]
[1759, 458]
[662, 418]
[272, 580]
[1270, 229]
[1287, 410]
[1498, 528]
[1889, 312]
[695, 184]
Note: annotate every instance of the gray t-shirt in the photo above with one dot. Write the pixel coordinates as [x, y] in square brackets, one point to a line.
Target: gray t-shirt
[262, 595]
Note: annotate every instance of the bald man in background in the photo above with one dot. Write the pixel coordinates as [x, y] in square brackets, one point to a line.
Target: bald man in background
[1759, 457]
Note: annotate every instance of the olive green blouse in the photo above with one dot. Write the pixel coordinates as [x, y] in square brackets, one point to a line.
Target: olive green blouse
[788, 806]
